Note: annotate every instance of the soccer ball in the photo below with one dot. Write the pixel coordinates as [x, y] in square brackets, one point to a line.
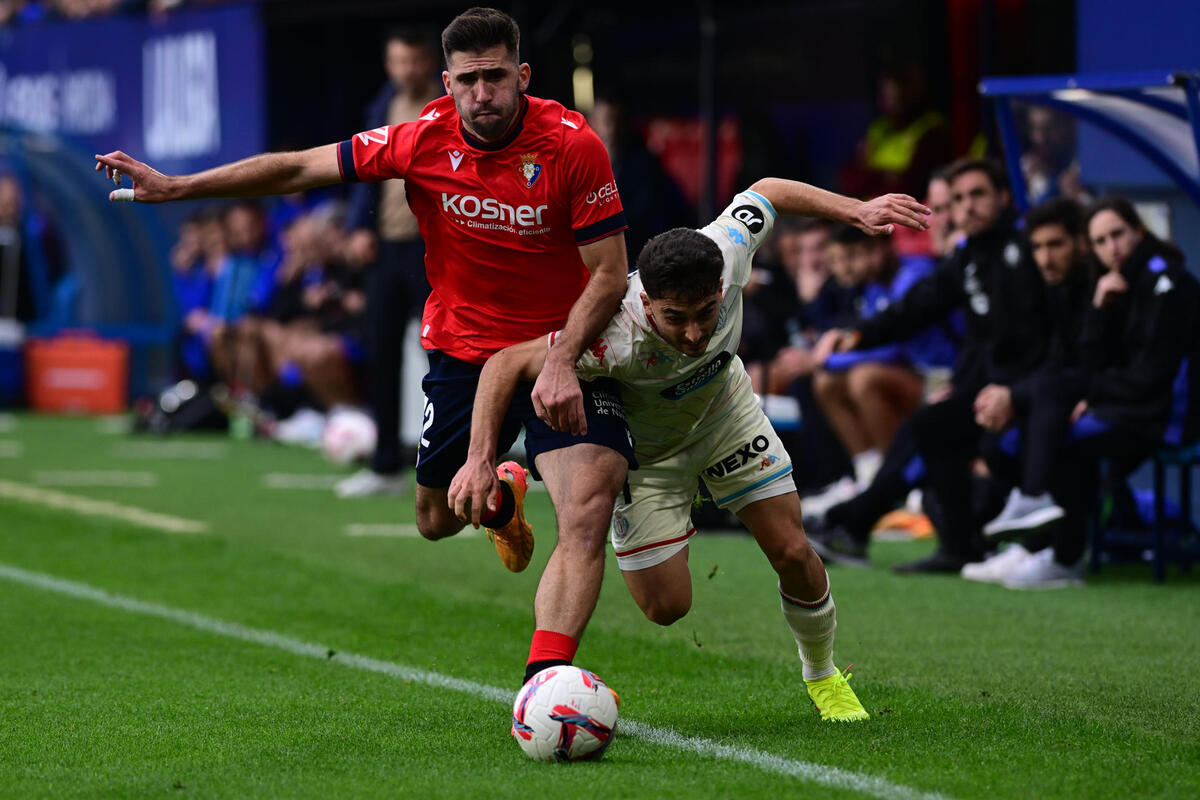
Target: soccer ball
[564, 714]
[349, 436]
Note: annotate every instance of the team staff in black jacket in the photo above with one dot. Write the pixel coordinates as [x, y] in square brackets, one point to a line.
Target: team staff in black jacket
[992, 278]
[1028, 421]
[1138, 338]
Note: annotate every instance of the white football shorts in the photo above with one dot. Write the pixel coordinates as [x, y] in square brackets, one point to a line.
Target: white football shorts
[741, 460]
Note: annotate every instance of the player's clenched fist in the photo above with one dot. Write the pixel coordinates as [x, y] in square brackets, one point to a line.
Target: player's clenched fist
[149, 185]
[473, 486]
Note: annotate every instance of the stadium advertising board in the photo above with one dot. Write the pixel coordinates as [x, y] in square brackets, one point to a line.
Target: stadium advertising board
[185, 93]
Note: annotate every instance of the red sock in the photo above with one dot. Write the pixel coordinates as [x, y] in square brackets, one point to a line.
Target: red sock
[552, 646]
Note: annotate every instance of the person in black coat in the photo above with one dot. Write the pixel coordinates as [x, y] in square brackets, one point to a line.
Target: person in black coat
[992, 279]
[1028, 419]
[1138, 338]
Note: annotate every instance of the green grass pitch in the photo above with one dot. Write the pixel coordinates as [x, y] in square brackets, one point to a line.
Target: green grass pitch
[137, 673]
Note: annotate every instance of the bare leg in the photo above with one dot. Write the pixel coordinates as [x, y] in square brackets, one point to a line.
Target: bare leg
[663, 592]
[775, 525]
[830, 389]
[583, 481]
[806, 601]
[435, 519]
[885, 395]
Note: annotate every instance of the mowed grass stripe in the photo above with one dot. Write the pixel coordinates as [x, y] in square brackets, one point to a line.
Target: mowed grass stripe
[816, 773]
[88, 506]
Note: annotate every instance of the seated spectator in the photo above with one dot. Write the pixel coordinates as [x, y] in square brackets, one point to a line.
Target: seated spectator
[866, 395]
[1021, 423]
[797, 299]
[901, 467]
[305, 348]
[992, 281]
[193, 280]
[243, 285]
[1132, 395]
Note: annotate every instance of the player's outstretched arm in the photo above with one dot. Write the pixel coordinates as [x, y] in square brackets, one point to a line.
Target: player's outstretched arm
[257, 176]
[475, 483]
[557, 398]
[877, 217]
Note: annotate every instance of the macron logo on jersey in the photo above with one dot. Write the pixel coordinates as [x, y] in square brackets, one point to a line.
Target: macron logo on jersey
[569, 124]
[378, 136]
[456, 158]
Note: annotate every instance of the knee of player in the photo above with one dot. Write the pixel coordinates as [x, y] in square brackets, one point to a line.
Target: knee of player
[433, 525]
[588, 518]
[667, 611]
[793, 553]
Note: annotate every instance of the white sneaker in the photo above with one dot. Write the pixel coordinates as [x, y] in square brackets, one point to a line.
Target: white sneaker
[1041, 571]
[368, 482]
[1024, 513]
[303, 428]
[815, 505]
[866, 465]
[998, 567]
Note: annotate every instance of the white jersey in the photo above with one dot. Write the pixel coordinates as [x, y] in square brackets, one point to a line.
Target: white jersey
[670, 398]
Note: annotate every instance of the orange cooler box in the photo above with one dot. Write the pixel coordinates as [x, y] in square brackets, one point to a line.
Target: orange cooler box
[74, 374]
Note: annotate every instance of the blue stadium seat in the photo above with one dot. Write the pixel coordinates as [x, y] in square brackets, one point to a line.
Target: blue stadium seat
[1172, 537]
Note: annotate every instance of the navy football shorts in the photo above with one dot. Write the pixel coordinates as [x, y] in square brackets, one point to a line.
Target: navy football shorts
[446, 430]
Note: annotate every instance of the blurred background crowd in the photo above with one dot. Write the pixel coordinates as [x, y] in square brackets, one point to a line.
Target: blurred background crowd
[276, 317]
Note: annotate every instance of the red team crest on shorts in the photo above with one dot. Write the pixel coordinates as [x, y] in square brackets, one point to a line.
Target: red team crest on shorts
[529, 169]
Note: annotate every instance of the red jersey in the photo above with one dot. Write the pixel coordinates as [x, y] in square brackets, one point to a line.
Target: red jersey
[502, 222]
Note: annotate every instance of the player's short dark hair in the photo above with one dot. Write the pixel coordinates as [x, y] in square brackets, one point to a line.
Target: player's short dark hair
[477, 29]
[682, 263]
[994, 172]
[1059, 211]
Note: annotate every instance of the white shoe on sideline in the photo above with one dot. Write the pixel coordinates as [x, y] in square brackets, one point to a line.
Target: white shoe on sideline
[1041, 571]
[815, 505]
[303, 428]
[998, 567]
[368, 482]
[1024, 513]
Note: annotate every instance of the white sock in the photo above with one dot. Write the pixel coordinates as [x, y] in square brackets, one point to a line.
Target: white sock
[866, 464]
[812, 624]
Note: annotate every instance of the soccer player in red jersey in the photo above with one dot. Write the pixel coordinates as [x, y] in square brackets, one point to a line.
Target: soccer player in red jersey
[522, 221]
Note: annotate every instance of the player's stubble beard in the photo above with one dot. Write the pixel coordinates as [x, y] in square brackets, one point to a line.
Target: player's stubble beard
[494, 126]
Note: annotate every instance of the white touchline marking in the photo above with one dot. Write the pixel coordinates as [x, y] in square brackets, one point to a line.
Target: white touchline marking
[286, 480]
[99, 508]
[817, 773]
[180, 450]
[11, 449]
[96, 477]
[397, 531]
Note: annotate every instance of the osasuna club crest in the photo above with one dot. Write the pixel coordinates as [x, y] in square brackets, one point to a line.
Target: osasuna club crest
[530, 169]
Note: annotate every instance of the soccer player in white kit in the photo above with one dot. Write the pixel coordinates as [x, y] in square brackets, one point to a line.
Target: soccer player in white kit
[672, 349]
